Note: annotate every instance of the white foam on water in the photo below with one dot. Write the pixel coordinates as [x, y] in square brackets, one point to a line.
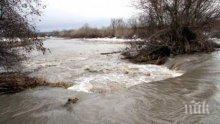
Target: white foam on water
[123, 76]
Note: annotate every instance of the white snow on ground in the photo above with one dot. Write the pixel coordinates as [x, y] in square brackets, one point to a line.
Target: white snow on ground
[112, 39]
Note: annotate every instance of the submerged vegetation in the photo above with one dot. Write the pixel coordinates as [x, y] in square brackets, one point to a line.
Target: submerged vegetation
[16, 82]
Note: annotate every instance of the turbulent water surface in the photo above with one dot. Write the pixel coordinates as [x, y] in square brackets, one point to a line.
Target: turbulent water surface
[112, 90]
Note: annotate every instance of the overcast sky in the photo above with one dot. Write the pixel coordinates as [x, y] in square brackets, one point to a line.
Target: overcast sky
[68, 14]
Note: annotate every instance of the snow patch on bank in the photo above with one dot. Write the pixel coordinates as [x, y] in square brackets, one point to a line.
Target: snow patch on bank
[112, 39]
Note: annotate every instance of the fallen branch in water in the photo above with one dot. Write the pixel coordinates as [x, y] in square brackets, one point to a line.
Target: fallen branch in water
[116, 52]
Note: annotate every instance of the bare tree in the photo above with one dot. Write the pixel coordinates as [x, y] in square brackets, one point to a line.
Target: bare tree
[196, 15]
[179, 26]
[16, 32]
[118, 27]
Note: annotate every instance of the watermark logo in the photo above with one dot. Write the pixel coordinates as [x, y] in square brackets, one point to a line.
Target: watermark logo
[197, 108]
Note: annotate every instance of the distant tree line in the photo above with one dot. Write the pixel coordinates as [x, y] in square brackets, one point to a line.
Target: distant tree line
[119, 28]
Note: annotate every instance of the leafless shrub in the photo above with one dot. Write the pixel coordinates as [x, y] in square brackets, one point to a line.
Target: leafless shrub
[178, 26]
[16, 33]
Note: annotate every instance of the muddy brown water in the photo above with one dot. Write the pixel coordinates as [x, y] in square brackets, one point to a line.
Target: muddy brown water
[141, 94]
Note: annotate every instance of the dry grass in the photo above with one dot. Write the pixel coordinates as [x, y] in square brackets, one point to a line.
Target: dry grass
[15, 82]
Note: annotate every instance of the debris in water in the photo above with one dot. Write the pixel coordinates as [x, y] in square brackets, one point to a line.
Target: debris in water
[148, 74]
[72, 100]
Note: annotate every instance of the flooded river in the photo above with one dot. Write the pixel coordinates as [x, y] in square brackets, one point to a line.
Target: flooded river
[114, 91]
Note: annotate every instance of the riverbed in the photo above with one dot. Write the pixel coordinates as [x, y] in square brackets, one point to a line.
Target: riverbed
[113, 90]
